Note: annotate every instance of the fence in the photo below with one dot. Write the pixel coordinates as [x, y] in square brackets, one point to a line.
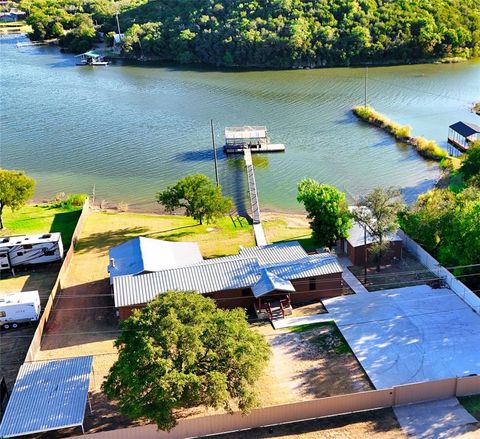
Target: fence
[301, 411]
[460, 289]
[37, 336]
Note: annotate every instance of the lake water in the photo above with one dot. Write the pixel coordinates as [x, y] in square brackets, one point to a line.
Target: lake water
[132, 130]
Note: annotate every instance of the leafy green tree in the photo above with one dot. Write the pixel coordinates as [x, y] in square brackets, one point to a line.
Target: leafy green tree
[470, 168]
[16, 188]
[447, 224]
[200, 197]
[327, 209]
[182, 351]
[378, 211]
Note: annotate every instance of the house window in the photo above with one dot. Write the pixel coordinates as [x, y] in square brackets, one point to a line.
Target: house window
[246, 292]
[312, 283]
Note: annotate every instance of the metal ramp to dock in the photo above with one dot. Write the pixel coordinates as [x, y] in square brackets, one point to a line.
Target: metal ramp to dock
[252, 190]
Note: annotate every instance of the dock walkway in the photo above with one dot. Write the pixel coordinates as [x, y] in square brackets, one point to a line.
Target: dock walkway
[252, 190]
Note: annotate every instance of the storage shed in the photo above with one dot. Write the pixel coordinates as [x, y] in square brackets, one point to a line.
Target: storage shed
[354, 245]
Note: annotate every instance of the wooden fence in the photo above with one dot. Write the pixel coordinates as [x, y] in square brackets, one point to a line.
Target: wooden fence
[301, 411]
[34, 347]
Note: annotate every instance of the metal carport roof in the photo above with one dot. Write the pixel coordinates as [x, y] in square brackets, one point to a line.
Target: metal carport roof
[48, 395]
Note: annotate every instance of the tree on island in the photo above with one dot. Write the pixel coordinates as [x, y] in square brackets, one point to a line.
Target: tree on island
[327, 209]
[180, 352]
[378, 212]
[16, 188]
[200, 197]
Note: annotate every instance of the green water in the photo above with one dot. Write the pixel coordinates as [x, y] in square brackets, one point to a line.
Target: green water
[130, 130]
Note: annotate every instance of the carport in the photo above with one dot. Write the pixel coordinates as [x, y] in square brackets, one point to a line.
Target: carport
[48, 395]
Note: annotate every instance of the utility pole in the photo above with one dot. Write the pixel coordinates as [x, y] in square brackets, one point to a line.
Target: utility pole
[214, 151]
[365, 254]
[118, 26]
[366, 85]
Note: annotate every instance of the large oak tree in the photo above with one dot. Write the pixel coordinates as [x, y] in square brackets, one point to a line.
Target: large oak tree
[181, 351]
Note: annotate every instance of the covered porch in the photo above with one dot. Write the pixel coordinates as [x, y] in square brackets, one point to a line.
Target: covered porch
[272, 296]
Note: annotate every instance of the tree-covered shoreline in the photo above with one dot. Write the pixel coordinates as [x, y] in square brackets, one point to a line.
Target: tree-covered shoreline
[267, 33]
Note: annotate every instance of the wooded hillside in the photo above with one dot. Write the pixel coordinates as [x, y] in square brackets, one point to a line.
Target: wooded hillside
[270, 33]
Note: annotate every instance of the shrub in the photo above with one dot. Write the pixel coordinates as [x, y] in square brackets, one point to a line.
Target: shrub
[429, 149]
[368, 114]
[70, 201]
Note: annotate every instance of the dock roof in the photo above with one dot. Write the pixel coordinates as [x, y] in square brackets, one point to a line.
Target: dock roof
[465, 129]
[246, 132]
[48, 395]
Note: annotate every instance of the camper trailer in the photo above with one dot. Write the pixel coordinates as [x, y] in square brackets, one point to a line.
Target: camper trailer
[27, 250]
[18, 308]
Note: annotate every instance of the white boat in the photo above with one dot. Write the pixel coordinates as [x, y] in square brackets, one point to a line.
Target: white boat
[91, 58]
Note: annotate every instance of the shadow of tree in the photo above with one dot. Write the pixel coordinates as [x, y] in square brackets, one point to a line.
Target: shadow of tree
[103, 241]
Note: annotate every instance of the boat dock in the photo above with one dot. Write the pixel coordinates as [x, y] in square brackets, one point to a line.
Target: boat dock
[252, 190]
[248, 140]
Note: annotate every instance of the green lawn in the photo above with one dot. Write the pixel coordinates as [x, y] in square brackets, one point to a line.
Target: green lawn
[330, 340]
[105, 230]
[286, 227]
[33, 219]
[472, 404]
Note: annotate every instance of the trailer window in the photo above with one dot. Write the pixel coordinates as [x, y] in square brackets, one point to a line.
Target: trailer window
[3, 255]
[4, 265]
[27, 246]
[3, 314]
[19, 253]
[47, 252]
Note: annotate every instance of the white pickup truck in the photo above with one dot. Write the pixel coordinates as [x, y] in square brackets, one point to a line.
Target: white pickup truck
[18, 308]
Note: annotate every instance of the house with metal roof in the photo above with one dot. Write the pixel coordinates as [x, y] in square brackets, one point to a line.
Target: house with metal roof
[144, 255]
[462, 134]
[262, 278]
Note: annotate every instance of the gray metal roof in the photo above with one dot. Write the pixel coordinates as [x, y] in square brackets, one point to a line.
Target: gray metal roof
[356, 236]
[146, 254]
[275, 253]
[269, 282]
[287, 260]
[47, 395]
[310, 266]
[203, 278]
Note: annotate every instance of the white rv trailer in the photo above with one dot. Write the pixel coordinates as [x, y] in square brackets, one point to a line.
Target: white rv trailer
[18, 308]
[32, 249]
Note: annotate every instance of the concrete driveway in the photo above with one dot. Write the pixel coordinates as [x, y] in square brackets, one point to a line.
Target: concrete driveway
[408, 334]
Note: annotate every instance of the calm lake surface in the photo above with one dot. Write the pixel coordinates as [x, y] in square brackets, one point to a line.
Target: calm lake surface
[132, 130]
